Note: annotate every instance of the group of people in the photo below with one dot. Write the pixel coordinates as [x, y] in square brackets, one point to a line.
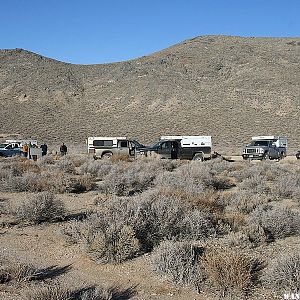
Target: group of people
[26, 149]
[27, 152]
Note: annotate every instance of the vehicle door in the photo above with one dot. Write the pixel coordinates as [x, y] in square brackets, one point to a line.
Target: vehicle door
[132, 147]
[9, 150]
[273, 151]
[165, 149]
[123, 148]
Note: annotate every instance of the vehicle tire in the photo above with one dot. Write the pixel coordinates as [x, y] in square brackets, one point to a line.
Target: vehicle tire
[198, 157]
[266, 157]
[107, 155]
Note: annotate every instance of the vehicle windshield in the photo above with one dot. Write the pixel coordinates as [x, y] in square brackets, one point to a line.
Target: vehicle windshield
[156, 145]
[260, 143]
[3, 145]
[137, 144]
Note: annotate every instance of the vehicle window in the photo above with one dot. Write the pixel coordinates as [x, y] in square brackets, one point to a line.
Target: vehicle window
[102, 143]
[260, 143]
[123, 144]
[166, 145]
[9, 147]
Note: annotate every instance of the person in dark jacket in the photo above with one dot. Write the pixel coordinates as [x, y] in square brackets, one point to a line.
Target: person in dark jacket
[63, 149]
[44, 148]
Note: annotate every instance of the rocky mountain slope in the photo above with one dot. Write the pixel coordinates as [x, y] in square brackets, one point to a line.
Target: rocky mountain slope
[227, 87]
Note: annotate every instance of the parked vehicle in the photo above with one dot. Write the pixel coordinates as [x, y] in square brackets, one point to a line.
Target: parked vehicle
[298, 155]
[106, 147]
[266, 147]
[9, 149]
[180, 147]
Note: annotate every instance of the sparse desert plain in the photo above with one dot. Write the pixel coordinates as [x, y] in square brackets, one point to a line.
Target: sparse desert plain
[78, 228]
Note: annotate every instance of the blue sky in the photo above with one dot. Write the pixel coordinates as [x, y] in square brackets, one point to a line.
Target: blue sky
[98, 31]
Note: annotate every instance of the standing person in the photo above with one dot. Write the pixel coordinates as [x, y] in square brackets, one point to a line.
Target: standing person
[25, 150]
[44, 148]
[30, 146]
[63, 149]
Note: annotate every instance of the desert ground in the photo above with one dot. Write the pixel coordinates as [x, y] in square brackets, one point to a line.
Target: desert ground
[77, 228]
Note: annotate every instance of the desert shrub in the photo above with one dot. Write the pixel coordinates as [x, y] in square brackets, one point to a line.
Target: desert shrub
[256, 184]
[256, 234]
[99, 168]
[45, 161]
[112, 244]
[16, 272]
[151, 217]
[287, 186]
[268, 171]
[276, 222]
[81, 184]
[72, 231]
[284, 272]
[189, 178]
[197, 225]
[57, 291]
[238, 240]
[178, 261]
[40, 208]
[244, 201]
[65, 164]
[127, 179]
[229, 271]
[49, 292]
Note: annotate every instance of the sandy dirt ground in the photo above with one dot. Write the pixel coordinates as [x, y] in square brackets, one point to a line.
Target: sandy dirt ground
[44, 246]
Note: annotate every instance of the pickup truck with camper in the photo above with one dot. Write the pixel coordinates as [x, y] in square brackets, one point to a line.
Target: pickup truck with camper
[8, 149]
[266, 147]
[180, 147]
[106, 147]
[14, 147]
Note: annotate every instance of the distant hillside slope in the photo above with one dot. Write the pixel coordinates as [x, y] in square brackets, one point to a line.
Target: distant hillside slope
[227, 87]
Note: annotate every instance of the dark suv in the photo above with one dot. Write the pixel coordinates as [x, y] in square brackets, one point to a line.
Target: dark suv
[298, 155]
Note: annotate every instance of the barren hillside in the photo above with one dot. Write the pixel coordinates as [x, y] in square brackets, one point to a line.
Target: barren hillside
[227, 87]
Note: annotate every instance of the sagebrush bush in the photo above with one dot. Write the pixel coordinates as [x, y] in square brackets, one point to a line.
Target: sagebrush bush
[197, 225]
[277, 222]
[230, 271]
[256, 184]
[180, 262]
[13, 271]
[238, 240]
[49, 292]
[244, 201]
[58, 291]
[40, 208]
[66, 164]
[124, 179]
[256, 234]
[112, 244]
[287, 186]
[284, 272]
[98, 168]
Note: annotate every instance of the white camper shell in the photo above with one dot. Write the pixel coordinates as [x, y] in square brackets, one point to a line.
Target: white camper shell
[188, 141]
[20, 142]
[278, 141]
